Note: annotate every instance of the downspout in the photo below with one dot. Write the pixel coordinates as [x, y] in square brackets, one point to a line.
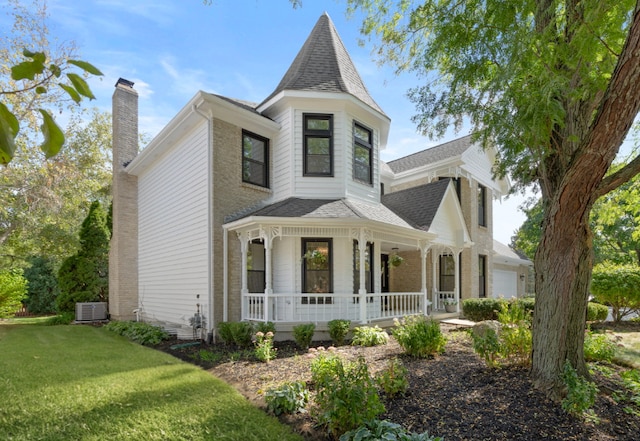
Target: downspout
[210, 193]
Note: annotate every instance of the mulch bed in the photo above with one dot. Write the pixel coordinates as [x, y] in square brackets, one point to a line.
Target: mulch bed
[453, 395]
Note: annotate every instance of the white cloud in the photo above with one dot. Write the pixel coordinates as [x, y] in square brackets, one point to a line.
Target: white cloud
[185, 81]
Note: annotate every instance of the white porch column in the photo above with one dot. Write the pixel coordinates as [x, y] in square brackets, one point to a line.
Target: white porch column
[456, 259]
[267, 273]
[244, 290]
[435, 254]
[424, 249]
[362, 292]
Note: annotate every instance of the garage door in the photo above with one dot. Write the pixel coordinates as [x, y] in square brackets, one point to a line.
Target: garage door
[505, 284]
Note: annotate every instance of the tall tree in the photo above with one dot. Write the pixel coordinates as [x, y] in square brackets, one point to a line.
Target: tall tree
[556, 85]
[84, 277]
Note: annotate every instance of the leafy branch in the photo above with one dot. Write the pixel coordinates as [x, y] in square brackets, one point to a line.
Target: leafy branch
[46, 75]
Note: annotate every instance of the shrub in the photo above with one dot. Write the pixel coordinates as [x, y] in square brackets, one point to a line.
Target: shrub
[62, 318]
[346, 394]
[393, 378]
[369, 336]
[13, 289]
[338, 330]
[419, 336]
[139, 332]
[598, 347]
[265, 327]
[581, 393]
[42, 288]
[303, 334]
[527, 303]
[289, 398]
[597, 312]
[237, 333]
[617, 286]
[376, 430]
[483, 309]
[487, 346]
[264, 351]
[516, 343]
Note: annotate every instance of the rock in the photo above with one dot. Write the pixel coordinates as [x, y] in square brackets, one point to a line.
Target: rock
[480, 329]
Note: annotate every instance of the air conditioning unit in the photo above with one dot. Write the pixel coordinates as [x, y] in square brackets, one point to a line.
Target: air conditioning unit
[91, 311]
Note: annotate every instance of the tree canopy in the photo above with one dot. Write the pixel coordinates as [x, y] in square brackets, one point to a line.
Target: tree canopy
[555, 84]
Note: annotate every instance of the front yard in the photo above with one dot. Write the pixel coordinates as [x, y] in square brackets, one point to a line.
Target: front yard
[86, 383]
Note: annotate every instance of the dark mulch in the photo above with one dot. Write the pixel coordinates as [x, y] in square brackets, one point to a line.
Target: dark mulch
[453, 395]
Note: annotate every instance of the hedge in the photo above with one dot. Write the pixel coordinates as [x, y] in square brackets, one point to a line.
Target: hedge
[482, 309]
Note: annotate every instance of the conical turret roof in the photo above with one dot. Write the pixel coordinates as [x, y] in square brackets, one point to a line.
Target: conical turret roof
[324, 65]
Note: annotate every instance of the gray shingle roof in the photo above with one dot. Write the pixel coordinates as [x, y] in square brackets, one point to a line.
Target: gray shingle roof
[431, 155]
[328, 208]
[324, 65]
[417, 205]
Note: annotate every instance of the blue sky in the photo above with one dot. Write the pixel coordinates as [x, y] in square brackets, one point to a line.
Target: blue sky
[236, 48]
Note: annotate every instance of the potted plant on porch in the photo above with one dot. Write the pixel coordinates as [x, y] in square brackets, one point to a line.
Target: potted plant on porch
[450, 305]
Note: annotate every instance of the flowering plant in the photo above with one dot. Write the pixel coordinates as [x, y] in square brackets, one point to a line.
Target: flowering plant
[265, 351]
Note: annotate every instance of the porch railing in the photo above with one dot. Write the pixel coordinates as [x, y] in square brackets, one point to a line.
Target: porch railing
[441, 296]
[312, 307]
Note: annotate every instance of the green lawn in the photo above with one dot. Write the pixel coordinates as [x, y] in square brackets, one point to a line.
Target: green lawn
[628, 351]
[86, 383]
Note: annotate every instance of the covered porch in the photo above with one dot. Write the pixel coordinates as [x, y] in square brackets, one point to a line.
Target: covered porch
[281, 283]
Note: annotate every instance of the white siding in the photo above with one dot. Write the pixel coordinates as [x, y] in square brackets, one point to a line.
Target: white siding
[282, 148]
[173, 233]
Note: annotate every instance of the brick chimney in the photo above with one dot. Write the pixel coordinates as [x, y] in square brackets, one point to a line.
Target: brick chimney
[123, 254]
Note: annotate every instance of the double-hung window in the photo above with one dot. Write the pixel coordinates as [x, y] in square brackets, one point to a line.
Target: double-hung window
[318, 145]
[255, 159]
[362, 154]
[317, 275]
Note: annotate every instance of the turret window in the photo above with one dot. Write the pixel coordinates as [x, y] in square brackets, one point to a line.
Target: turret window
[362, 154]
[255, 159]
[318, 145]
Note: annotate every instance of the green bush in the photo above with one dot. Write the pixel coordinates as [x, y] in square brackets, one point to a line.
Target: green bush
[303, 334]
[13, 289]
[369, 336]
[265, 327]
[419, 336]
[527, 303]
[597, 312]
[479, 310]
[393, 378]
[487, 346]
[376, 430]
[338, 330]
[617, 286]
[581, 393]
[139, 332]
[598, 347]
[289, 398]
[62, 318]
[346, 395]
[236, 333]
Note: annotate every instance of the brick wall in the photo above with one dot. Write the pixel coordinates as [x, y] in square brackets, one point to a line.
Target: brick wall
[123, 254]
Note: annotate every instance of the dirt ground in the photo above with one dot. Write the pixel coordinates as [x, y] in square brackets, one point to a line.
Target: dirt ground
[453, 395]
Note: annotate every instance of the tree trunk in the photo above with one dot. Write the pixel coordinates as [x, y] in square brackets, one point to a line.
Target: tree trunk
[562, 286]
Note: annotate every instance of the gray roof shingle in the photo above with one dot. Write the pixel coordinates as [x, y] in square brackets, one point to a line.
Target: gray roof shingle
[417, 205]
[327, 208]
[431, 155]
[323, 64]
